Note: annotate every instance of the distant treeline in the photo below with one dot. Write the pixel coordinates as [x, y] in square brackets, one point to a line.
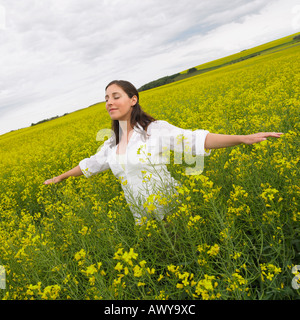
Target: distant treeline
[164, 80]
[158, 82]
[297, 38]
[45, 120]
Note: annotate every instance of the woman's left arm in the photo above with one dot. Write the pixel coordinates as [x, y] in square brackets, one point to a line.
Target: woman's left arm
[216, 141]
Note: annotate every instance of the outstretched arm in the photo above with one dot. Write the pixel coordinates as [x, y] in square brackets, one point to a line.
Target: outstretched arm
[75, 172]
[216, 141]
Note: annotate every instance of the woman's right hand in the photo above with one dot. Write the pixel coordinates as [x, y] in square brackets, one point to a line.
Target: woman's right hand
[53, 180]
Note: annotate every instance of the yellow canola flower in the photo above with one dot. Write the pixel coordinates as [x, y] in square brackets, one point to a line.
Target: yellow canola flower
[80, 254]
[160, 277]
[185, 282]
[84, 231]
[205, 288]
[142, 263]
[128, 256]
[118, 254]
[173, 268]
[51, 292]
[162, 296]
[269, 271]
[151, 271]
[90, 270]
[138, 271]
[119, 267]
[214, 250]
[141, 284]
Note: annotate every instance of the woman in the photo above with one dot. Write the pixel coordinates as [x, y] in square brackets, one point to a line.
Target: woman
[136, 151]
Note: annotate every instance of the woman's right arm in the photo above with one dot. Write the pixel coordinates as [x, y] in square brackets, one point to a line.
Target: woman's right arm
[75, 172]
[87, 166]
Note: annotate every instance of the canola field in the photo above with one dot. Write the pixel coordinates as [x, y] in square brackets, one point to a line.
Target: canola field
[234, 232]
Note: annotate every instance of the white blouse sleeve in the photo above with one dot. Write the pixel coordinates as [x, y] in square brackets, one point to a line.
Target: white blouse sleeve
[181, 140]
[96, 163]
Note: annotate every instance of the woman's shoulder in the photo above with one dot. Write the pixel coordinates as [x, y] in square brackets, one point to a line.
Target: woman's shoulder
[158, 124]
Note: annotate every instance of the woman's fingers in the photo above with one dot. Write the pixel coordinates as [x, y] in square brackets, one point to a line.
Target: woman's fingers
[261, 136]
[49, 181]
[274, 134]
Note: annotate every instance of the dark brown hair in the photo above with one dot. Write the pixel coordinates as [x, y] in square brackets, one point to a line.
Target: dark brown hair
[137, 114]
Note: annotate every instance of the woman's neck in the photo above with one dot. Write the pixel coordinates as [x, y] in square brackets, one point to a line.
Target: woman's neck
[125, 128]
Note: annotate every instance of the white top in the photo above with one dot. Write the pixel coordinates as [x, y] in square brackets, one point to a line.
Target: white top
[121, 159]
[142, 169]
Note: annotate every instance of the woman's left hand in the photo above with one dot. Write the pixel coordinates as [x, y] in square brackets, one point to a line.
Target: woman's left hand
[260, 136]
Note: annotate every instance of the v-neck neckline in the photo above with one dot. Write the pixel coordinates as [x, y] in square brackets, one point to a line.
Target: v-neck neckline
[122, 154]
[135, 130]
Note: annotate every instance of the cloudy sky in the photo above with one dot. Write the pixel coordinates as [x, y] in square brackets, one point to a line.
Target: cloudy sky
[58, 55]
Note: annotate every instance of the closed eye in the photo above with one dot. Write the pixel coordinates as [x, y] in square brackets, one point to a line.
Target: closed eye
[115, 97]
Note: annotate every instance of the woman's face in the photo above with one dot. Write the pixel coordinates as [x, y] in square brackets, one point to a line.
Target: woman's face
[118, 104]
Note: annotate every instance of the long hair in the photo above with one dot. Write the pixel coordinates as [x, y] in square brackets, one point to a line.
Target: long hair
[137, 114]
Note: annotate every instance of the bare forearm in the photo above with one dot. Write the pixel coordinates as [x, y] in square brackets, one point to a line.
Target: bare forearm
[75, 172]
[216, 141]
